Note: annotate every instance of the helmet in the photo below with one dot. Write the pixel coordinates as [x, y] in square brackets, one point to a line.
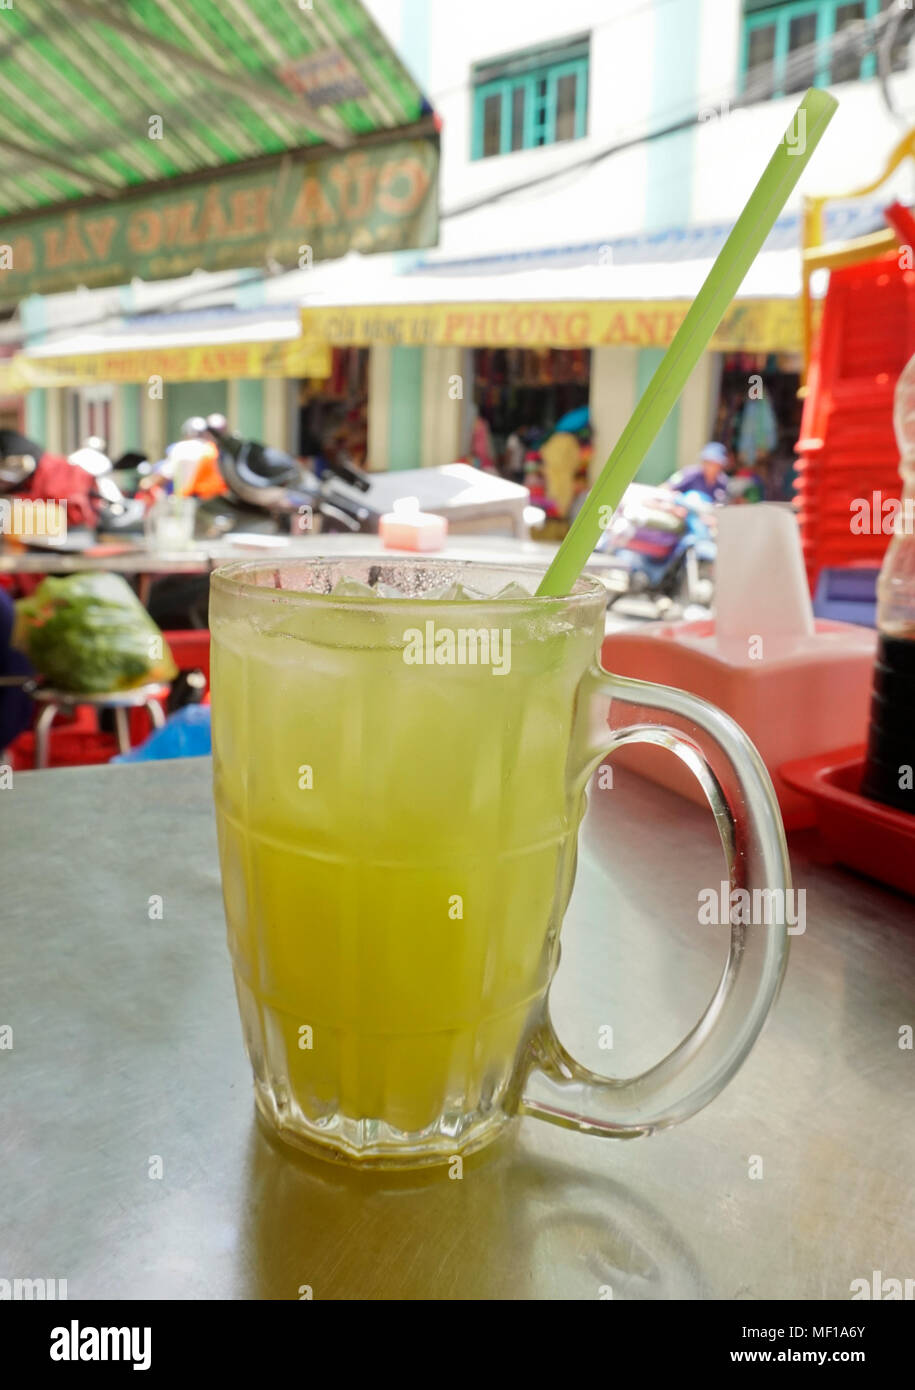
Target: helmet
[194, 428]
[91, 457]
[216, 423]
[15, 468]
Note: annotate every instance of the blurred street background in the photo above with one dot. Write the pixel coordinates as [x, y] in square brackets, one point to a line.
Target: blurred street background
[593, 157]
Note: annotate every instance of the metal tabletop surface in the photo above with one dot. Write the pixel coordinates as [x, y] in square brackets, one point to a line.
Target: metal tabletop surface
[126, 1050]
[137, 558]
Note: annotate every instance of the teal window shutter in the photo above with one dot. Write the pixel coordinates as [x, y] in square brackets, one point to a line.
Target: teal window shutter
[540, 105]
[829, 17]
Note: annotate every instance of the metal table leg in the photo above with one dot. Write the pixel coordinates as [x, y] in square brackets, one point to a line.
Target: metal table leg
[42, 735]
[122, 728]
[156, 714]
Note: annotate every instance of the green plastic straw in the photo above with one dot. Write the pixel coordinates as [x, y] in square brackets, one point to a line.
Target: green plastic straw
[693, 336]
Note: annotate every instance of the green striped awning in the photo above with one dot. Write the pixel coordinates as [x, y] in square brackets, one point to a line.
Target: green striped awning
[80, 83]
[104, 98]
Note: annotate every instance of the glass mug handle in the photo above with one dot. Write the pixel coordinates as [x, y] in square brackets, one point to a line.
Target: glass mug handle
[737, 786]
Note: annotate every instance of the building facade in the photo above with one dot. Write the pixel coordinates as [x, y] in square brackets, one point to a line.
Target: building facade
[662, 115]
[593, 153]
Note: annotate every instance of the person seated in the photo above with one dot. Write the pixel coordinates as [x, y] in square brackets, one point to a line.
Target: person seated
[708, 477]
[190, 467]
[50, 477]
[15, 704]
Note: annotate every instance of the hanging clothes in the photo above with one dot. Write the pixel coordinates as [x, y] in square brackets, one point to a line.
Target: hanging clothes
[758, 429]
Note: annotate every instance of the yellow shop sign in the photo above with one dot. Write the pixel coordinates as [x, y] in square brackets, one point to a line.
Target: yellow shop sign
[750, 325]
[223, 362]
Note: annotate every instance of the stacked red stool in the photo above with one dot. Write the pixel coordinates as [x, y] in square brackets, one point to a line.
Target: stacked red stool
[847, 449]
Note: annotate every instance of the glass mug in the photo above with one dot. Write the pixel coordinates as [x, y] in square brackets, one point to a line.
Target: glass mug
[169, 523]
[399, 784]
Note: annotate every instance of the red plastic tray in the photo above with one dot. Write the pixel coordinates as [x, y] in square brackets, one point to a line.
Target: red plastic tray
[876, 840]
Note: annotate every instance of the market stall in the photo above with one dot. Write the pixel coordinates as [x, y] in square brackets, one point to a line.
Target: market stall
[493, 367]
[170, 144]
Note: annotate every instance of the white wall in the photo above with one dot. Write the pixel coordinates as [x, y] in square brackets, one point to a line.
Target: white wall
[57, 433]
[278, 415]
[697, 408]
[731, 151]
[612, 400]
[443, 410]
[378, 447]
[609, 200]
[471, 31]
[152, 424]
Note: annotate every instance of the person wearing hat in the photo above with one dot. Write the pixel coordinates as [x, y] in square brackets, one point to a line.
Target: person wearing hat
[29, 471]
[708, 476]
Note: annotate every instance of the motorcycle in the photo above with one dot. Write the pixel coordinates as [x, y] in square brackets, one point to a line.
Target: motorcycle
[117, 512]
[660, 545]
[268, 489]
[271, 483]
[267, 493]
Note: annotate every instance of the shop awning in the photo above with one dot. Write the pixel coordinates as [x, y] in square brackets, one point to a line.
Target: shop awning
[152, 137]
[580, 306]
[272, 347]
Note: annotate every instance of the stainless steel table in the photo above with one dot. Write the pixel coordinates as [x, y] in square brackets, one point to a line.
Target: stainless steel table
[126, 1049]
[204, 556]
[138, 558]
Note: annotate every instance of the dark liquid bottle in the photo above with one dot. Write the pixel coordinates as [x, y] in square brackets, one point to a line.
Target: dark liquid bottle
[889, 774]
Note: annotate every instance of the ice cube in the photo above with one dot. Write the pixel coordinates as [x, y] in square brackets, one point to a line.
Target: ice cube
[513, 590]
[454, 592]
[351, 588]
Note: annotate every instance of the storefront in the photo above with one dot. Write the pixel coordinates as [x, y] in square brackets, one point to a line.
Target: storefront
[758, 416]
[306, 139]
[526, 392]
[138, 397]
[437, 366]
[332, 411]
[531, 421]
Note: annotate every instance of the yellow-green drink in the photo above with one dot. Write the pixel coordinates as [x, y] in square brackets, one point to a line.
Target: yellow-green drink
[397, 834]
[399, 783]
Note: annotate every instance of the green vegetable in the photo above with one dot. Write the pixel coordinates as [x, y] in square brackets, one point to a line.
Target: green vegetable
[89, 633]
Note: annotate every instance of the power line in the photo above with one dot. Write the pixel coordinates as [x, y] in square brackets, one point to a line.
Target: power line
[798, 64]
[802, 63]
[799, 67]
